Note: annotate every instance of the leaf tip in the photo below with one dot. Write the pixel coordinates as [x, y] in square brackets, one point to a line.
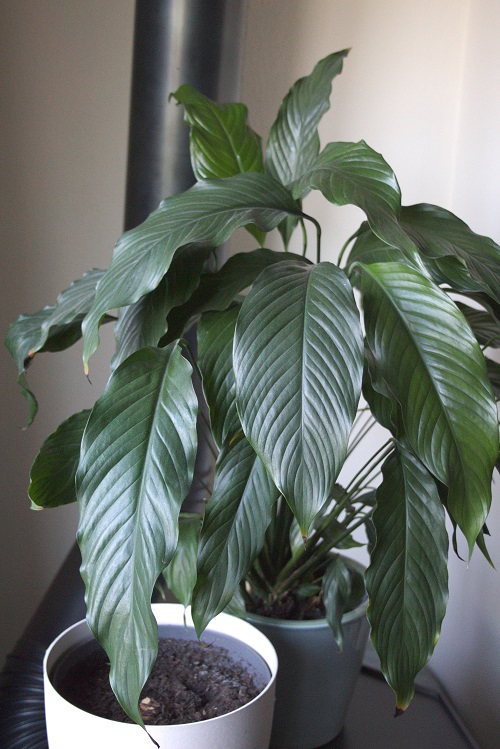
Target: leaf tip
[399, 711]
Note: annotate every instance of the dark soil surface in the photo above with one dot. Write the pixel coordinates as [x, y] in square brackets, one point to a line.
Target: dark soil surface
[288, 607]
[188, 683]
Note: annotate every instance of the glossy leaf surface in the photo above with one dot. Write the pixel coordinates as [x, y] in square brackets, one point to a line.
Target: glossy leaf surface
[298, 368]
[293, 142]
[234, 527]
[52, 477]
[205, 215]
[135, 469]
[353, 173]
[442, 236]
[437, 373]
[218, 289]
[407, 581]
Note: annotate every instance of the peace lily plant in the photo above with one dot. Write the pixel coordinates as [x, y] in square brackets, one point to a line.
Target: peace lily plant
[283, 370]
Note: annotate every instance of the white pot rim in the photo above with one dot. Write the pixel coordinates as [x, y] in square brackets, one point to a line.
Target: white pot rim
[223, 624]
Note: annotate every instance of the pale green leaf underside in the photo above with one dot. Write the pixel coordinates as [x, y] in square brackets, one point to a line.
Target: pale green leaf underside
[221, 142]
[298, 367]
[135, 470]
[205, 215]
[293, 141]
[436, 371]
[408, 577]
[234, 527]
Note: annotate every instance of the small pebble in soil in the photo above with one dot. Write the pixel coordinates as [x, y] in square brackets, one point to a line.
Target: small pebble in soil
[188, 683]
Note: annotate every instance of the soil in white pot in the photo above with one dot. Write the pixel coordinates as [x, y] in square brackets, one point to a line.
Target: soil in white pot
[188, 683]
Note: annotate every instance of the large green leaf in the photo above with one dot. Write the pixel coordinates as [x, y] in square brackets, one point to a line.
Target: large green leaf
[206, 215]
[473, 261]
[298, 365]
[218, 289]
[293, 142]
[408, 577]
[221, 141]
[427, 355]
[353, 173]
[215, 359]
[135, 469]
[52, 477]
[234, 527]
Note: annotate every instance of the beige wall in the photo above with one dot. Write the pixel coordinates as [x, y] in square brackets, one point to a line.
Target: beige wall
[64, 119]
[420, 85]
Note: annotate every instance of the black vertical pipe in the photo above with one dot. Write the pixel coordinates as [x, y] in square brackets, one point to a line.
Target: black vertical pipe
[175, 42]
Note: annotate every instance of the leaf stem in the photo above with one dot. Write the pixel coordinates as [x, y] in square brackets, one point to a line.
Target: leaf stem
[318, 236]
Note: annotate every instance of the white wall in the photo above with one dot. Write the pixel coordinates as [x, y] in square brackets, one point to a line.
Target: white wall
[420, 85]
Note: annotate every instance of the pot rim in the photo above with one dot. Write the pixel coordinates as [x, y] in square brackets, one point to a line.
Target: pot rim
[349, 616]
[222, 623]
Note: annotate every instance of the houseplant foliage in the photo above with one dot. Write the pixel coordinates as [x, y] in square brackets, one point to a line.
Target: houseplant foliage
[283, 370]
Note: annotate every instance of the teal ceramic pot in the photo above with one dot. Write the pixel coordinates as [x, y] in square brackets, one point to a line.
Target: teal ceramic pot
[315, 680]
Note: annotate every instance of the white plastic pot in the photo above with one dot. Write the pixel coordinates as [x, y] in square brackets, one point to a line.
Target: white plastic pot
[248, 727]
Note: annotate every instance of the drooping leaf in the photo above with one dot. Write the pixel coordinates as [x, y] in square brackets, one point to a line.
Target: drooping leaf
[215, 359]
[427, 355]
[217, 290]
[383, 405]
[485, 325]
[206, 214]
[442, 236]
[180, 575]
[368, 249]
[136, 467]
[298, 367]
[236, 518]
[493, 369]
[53, 328]
[353, 173]
[293, 142]
[407, 580]
[141, 324]
[144, 322]
[336, 591]
[222, 143]
[52, 477]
